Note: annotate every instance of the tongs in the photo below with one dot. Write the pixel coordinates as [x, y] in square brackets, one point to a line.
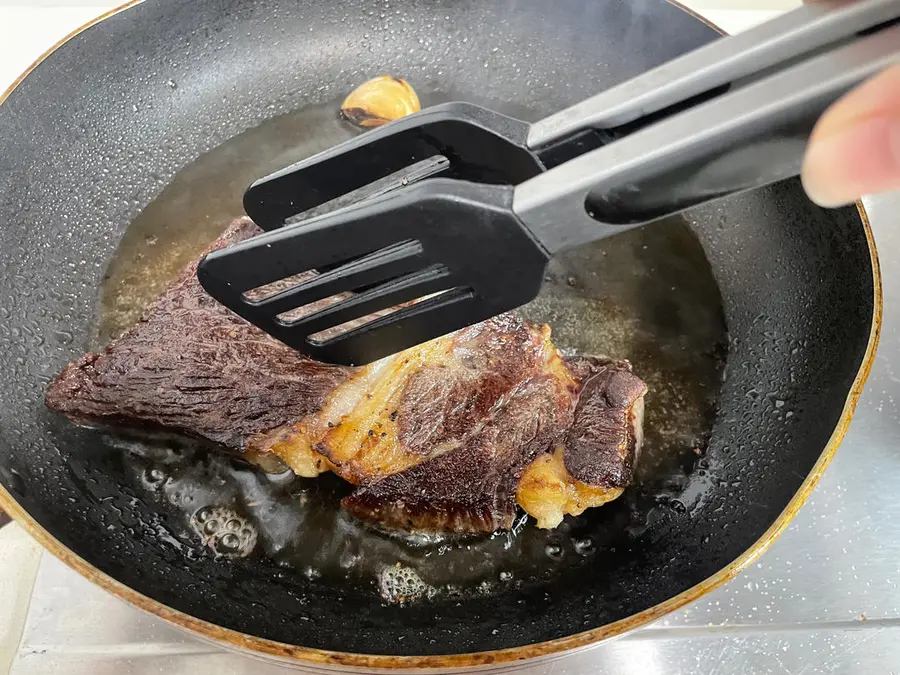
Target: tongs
[449, 216]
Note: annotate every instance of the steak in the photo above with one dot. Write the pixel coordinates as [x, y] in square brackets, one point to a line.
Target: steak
[447, 436]
[192, 366]
[595, 461]
[426, 401]
[472, 487]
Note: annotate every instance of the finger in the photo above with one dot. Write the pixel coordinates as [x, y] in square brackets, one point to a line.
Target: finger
[854, 149]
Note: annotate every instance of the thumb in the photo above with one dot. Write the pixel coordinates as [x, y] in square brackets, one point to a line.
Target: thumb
[854, 149]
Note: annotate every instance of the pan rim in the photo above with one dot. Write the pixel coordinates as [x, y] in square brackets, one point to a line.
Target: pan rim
[262, 647]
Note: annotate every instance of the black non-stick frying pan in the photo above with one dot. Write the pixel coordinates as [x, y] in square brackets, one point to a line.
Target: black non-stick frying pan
[753, 320]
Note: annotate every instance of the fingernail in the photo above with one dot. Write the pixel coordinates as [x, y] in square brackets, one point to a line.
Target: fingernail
[861, 159]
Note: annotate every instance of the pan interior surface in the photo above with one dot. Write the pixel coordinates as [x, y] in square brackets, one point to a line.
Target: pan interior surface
[648, 296]
[180, 91]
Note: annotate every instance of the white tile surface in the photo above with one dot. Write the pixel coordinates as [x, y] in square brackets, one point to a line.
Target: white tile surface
[27, 31]
[19, 558]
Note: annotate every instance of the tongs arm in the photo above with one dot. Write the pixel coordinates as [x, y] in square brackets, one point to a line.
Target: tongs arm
[725, 62]
[745, 138]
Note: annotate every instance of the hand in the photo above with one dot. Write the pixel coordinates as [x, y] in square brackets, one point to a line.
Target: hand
[855, 147]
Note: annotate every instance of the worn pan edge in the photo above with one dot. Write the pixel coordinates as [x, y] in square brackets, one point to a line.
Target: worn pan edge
[233, 639]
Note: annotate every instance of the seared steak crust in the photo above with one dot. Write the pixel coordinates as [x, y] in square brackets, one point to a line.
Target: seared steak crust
[602, 444]
[444, 437]
[192, 366]
[473, 488]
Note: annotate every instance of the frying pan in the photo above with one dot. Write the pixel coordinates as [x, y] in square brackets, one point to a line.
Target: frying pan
[93, 134]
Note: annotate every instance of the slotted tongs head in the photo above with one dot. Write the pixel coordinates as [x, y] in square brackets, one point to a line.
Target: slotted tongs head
[449, 216]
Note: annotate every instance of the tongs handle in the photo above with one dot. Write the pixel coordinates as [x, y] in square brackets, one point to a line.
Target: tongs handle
[746, 138]
[724, 62]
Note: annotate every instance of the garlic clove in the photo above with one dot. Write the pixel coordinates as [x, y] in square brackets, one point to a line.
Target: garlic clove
[379, 101]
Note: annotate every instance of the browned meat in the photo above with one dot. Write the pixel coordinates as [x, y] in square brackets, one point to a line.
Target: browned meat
[423, 402]
[475, 487]
[596, 460]
[602, 446]
[472, 488]
[192, 366]
[446, 436]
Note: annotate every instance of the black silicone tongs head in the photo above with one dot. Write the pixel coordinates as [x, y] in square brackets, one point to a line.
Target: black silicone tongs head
[449, 216]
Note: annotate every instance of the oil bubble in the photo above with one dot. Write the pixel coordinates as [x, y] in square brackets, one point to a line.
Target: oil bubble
[203, 514]
[554, 552]
[154, 477]
[348, 559]
[584, 546]
[224, 531]
[400, 585]
[230, 542]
